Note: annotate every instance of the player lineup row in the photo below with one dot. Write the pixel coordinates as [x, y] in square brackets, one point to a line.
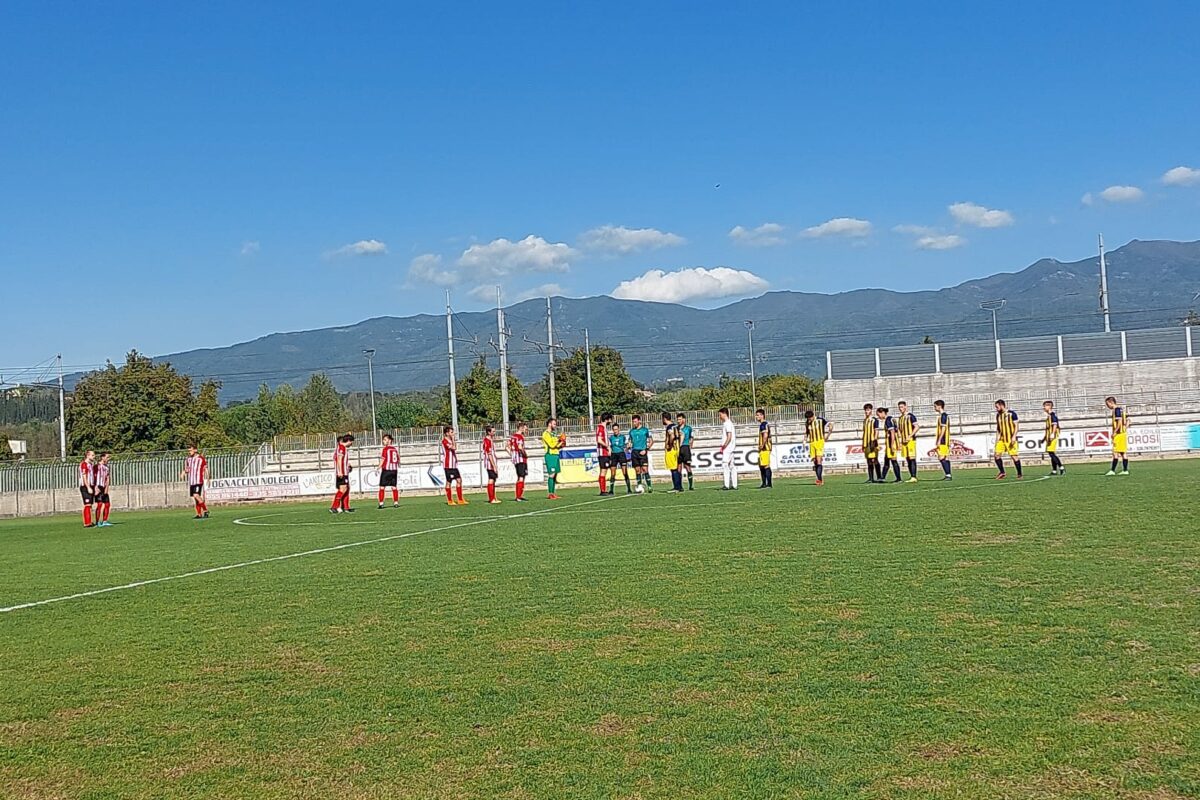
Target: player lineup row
[886, 438]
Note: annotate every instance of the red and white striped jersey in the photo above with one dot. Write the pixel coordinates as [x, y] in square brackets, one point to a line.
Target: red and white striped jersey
[602, 445]
[87, 474]
[487, 452]
[102, 475]
[341, 461]
[197, 469]
[448, 453]
[516, 448]
[390, 457]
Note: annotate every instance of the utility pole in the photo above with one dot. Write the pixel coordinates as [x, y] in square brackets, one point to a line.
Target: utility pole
[753, 387]
[503, 348]
[587, 360]
[450, 339]
[548, 347]
[1104, 286]
[370, 354]
[62, 413]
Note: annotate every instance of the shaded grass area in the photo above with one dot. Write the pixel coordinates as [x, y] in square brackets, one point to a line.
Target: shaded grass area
[978, 640]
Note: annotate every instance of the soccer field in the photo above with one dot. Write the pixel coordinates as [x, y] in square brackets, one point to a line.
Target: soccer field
[977, 639]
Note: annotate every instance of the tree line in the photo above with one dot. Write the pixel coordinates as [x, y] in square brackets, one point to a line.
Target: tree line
[143, 405]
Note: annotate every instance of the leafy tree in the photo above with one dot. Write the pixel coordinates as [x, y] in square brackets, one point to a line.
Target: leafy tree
[404, 412]
[773, 390]
[612, 387]
[5, 450]
[479, 397]
[320, 407]
[142, 406]
[928, 340]
[1192, 318]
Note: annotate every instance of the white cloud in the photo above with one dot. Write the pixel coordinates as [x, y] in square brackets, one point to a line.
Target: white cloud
[250, 248]
[501, 258]
[426, 269]
[935, 241]
[1115, 194]
[1181, 176]
[979, 216]
[839, 226]
[928, 238]
[769, 234]
[694, 283]
[363, 247]
[914, 230]
[619, 240]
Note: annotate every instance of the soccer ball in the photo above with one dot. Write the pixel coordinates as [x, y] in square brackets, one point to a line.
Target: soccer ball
[639, 489]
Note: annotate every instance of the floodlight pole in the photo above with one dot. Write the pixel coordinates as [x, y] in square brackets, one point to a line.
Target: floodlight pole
[587, 360]
[994, 306]
[450, 349]
[62, 412]
[550, 353]
[1104, 286]
[370, 354]
[503, 349]
[753, 386]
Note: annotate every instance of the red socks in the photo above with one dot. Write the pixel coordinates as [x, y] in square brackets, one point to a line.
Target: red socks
[449, 494]
[460, 497]
[87, 516]
[491, 491]
[346, 501]
[603, 484]
[381, 497]
[520, 489]
[106, 507]
[395, 495]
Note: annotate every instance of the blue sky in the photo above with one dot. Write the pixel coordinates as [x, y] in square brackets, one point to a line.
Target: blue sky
[177, 176]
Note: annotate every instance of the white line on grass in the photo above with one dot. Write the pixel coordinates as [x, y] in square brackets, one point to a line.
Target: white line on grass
[268, 560]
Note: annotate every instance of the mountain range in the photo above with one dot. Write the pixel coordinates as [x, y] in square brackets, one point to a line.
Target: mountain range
[1151, 283]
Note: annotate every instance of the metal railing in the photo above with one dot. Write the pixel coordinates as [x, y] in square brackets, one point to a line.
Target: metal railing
[129, 469]
[1033, 352]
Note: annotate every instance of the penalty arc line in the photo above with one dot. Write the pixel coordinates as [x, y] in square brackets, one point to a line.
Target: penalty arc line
[286, 557]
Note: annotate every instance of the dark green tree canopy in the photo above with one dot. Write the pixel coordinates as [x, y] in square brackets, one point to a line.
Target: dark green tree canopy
[142, 406]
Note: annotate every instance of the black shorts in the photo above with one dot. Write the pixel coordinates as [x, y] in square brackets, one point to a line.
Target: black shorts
[87, 496]
[100, 495]
[617, 460]
[452, 474]
[640, 459]
[605, 461]
[387, 477]
[522, 469]
[340, 481]
[195, 490]
[493, 475]
[685, 454]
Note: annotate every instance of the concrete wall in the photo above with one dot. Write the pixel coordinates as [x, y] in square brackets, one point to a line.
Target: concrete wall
[1167, 390]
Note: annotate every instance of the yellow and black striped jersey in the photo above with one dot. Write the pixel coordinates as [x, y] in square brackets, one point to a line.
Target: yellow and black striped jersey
[1052, 428]
[943, 428]
[908, 422]
[1006, 425]
[814, 429]
[1119, 420]
[870, 432]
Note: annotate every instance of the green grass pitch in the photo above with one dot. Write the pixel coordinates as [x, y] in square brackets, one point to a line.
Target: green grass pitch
[971, 640]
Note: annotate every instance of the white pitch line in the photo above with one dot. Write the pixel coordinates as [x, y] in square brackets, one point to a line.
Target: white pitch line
[268, 560]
